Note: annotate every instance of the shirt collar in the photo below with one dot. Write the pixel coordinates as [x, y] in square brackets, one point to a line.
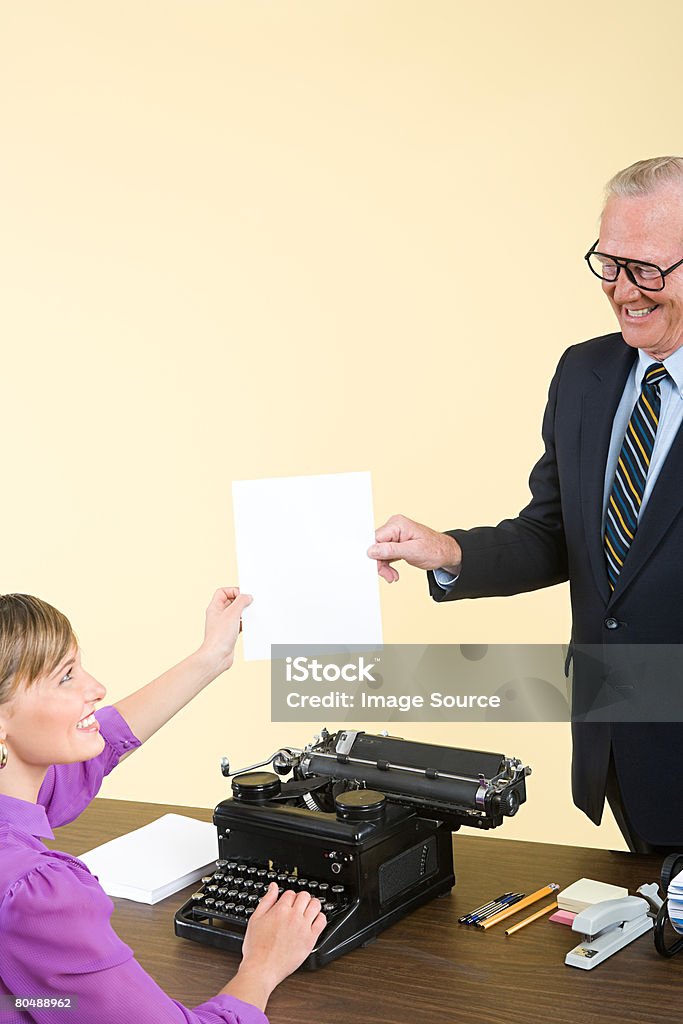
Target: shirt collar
[673, 365]
[25, 816]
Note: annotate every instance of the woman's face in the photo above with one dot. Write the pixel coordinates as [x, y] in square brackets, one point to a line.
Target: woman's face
[50, 723]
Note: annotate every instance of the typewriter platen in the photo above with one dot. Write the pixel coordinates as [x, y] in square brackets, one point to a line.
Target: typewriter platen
[364, 823]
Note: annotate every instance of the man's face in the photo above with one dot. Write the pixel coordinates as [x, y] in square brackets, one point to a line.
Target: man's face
[647, 228]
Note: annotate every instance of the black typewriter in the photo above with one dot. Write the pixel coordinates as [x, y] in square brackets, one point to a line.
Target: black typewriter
[364, 824]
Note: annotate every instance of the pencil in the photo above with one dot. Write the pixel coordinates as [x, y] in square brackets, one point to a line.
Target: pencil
[534, 898]
[533, 917]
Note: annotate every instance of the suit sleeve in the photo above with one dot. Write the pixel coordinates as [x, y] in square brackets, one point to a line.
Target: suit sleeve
[520, 554]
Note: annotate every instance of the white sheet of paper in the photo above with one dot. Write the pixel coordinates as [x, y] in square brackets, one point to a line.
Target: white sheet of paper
[301, 553]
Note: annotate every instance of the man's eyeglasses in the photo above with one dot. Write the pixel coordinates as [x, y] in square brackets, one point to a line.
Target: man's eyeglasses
[646, 276]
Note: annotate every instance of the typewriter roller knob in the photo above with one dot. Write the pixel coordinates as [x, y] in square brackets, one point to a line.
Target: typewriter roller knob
[256, 787]
[507, 803]
[360, 805]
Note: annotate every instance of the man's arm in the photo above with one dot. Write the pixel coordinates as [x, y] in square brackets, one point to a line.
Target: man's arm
[516, 556]
[153, 705]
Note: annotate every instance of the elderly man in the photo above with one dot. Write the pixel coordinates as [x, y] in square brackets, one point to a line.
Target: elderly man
[607, 498]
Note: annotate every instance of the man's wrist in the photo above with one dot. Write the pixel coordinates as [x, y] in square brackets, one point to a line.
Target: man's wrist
[452, 562]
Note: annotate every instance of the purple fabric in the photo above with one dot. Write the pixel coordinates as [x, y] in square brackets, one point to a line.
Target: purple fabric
[55, 933]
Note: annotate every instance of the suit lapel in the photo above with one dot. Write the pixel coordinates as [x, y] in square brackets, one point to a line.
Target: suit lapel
[600, 402]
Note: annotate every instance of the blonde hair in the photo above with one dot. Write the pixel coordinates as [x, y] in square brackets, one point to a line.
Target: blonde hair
[646, 176]
[34, 638]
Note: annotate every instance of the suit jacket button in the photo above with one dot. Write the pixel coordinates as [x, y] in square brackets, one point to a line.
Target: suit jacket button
[611, 624]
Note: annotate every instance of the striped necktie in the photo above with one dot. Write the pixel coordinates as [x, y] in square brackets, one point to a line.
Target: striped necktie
[626, 495]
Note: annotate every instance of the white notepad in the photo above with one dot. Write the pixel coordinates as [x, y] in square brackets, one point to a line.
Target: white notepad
[155, 861]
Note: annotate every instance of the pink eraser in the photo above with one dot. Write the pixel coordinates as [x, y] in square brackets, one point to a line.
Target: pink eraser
[563, 917]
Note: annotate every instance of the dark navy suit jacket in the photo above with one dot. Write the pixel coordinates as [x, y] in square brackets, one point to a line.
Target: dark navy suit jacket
[558, 537]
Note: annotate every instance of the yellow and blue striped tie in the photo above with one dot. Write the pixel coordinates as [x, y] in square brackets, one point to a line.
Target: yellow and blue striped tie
[626, 496]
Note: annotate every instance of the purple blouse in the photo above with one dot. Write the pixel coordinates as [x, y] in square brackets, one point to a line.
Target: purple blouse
[55, 934]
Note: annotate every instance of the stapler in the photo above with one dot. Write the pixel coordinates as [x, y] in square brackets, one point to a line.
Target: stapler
[607, 927]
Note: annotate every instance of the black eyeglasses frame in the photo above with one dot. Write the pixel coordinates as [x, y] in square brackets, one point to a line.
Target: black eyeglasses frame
[623, 263]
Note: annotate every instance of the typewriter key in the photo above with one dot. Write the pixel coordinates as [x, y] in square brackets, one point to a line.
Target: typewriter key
[302, 883]
[328, 908]
[206, 879]
[242, 896]
[239, 909]
[220, 864]
[247, 883]
[261, 874]
[252, 900]
[271, 875]
[229, 908]
[220, 904]
[282, 879]
[337, 892]
[251, 871]
[212, 888]
[218, 876]
[231, 865]
[209, 902]
[242, 869]
[313, 887]
[232, 894]
[249, 911]
[323, 889]
[222, 891]
[292, 880]
[198, 896]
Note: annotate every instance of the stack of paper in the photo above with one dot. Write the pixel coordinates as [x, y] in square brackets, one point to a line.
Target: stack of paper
[584, 893]
[675, 902]
[155, 861]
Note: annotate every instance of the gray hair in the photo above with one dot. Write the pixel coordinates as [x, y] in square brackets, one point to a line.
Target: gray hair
[646, 176]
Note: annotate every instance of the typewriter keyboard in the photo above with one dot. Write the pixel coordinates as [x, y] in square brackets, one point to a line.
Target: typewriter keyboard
[235, 889]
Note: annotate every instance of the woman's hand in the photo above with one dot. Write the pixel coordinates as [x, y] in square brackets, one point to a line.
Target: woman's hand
[280, 935]
[223, 624]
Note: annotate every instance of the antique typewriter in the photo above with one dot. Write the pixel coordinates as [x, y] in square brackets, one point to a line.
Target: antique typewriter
[364, 824]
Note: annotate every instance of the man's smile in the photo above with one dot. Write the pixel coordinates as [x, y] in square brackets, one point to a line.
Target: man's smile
[639, 314]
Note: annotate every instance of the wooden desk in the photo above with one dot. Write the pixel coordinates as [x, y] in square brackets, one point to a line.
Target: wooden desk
[426, 968]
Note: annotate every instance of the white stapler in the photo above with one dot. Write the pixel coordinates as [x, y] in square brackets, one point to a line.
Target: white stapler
[607, 927]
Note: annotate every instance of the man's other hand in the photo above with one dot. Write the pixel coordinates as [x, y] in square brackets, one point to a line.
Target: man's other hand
[402, 538]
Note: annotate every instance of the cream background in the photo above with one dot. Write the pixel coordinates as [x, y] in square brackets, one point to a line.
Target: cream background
[272, 238]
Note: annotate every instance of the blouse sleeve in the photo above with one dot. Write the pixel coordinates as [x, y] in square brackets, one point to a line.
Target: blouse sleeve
[57, 942]
[69, 788]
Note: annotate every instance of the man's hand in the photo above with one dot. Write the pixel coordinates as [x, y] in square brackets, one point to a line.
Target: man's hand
[415, 544]
[223, 624]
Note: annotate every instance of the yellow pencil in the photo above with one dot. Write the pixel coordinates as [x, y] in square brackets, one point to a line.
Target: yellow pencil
[534, 898]
[533, 917]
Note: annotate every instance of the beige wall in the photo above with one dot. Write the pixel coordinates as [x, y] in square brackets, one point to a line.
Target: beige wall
[247, 239]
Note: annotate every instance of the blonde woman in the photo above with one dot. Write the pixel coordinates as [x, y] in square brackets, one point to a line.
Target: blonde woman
[56, 936]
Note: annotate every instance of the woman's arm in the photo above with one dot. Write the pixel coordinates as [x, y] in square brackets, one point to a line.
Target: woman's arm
[153, 705]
